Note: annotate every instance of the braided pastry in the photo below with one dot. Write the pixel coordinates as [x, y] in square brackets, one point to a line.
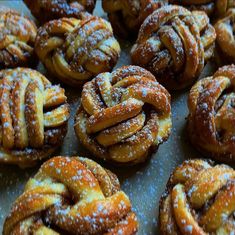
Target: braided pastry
[225, 38]
[212, 116]
[33, 116]
[46, 10]
[199, 200]
[17, 37]
[76, 50]
[174, 45]
[72, 196]
[126, 16]
[214, 8]
[123, 115]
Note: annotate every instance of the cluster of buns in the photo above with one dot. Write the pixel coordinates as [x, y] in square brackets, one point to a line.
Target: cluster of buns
[124, 115]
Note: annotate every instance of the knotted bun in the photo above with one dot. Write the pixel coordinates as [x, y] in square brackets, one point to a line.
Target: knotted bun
[123, 115]
[17, 39]
[212, 116]
[214, 8]
[75, 196]
[126, 16]
[33, 116]
[199, 199]
[76, 50]
[174, 44]
[46, 10]
[225, 38]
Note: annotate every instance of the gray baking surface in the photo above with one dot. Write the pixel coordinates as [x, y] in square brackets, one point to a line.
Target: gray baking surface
[143, 183]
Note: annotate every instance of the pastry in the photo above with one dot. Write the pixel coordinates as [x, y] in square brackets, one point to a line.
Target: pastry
[126, 16]
[214, 8]
[33, 116]
[199, 199]
[225, 39]
[72, 196]
[123, 115]
[212, 115]
[174, 44]
[17, 37]
[75, 51]
[46, 10]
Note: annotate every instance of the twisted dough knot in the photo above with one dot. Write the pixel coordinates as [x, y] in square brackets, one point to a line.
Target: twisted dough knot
[123, 115]
[214, 8]
[46, 10]
[174, 44]
[76, 50]
[17, 36]
[225, 37]
[199, 200]
[33, 116]
[126, 16]
[73, 195]
[212, 116]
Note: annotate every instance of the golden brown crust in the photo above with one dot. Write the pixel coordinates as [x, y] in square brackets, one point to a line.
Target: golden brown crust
[199, 200]
[75, 51]
[73, 195]
[211, 115]
[46, 10]
[174, 45]
[225, 39]
[32, 123]
[123, 115]
[17, 39]
[214, 8]
[126, 16]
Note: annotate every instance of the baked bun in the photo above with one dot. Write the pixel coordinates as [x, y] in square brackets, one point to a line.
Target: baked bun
[126, 16]
[225, 39]
[46, 10]
[72, 196]
[212, 115]
[33, 116]
[75, 51]
[174, 44]
[17, 39]
[199, 199]
[123, 115]
[214, 8]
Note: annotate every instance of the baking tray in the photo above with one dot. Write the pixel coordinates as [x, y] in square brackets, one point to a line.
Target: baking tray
[143, 183]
